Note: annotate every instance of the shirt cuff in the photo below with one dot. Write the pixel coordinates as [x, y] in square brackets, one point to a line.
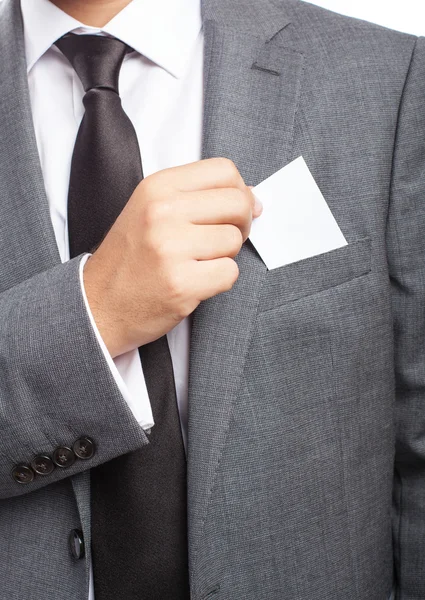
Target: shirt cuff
[126, 370]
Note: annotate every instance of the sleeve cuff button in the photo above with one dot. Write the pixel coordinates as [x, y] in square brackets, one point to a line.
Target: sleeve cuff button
[63, 457]
[43, 465]
[84, 448]
[23, 474]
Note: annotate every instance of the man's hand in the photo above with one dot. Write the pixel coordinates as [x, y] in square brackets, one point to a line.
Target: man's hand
[172, 247]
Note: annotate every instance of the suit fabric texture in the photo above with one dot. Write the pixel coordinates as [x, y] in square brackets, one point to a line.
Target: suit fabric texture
[306, 452]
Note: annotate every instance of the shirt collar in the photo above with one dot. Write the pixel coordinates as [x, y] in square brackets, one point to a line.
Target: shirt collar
[164, 31]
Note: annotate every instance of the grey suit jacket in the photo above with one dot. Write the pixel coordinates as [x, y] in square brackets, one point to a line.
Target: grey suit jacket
[307, 383]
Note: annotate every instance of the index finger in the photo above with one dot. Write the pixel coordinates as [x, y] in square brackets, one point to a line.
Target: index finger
[208, 174]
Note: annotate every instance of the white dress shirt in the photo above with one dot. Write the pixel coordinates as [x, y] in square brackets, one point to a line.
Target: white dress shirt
[161, 86]
[161, 91]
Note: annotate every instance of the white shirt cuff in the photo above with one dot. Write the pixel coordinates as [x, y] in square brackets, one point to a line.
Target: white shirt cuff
[126, 370]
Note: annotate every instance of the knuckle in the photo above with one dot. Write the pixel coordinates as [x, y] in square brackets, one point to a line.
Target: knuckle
[235, 238]
[229, 167]
[156, 211]
[148, 186]
[150, 213]
[161, 247]
[225, 162]
[178, 296]
[244, 206]
[176, 289]
[232, 273]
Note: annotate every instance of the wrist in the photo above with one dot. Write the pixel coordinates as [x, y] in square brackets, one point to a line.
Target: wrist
[99, 294]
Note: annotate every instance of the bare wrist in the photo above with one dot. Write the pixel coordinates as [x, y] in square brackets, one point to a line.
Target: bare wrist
[98, 293]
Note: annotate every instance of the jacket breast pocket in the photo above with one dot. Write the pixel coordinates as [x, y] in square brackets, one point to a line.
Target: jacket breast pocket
[315, 274]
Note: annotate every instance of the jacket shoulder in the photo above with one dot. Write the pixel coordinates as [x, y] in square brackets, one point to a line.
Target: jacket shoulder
[345, 43]
[320, 23]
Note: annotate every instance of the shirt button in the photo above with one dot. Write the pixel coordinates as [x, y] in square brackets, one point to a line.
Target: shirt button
[84, 448]
[43, 465]
[23, 474]
[63, 457]
[76, 544]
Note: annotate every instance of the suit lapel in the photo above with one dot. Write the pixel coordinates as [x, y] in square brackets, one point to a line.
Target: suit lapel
[27, 243]
[252, 89]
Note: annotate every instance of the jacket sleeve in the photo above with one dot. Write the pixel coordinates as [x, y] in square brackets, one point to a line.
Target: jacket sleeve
[56, 387]
[406, 256]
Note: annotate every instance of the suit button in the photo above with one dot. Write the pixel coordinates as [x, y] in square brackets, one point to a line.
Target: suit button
[43, 465]
[76, 544]
[84, 448]
[23, 474]
[63, 457]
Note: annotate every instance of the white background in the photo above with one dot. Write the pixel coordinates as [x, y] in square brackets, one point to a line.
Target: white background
[404, 15]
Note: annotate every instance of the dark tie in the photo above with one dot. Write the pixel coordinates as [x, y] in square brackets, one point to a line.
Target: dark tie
[139, 523]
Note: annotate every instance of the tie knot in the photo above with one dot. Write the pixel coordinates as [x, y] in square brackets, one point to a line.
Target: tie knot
[96, 59]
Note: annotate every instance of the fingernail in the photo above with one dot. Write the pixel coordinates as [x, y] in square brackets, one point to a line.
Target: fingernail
[258, 207]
